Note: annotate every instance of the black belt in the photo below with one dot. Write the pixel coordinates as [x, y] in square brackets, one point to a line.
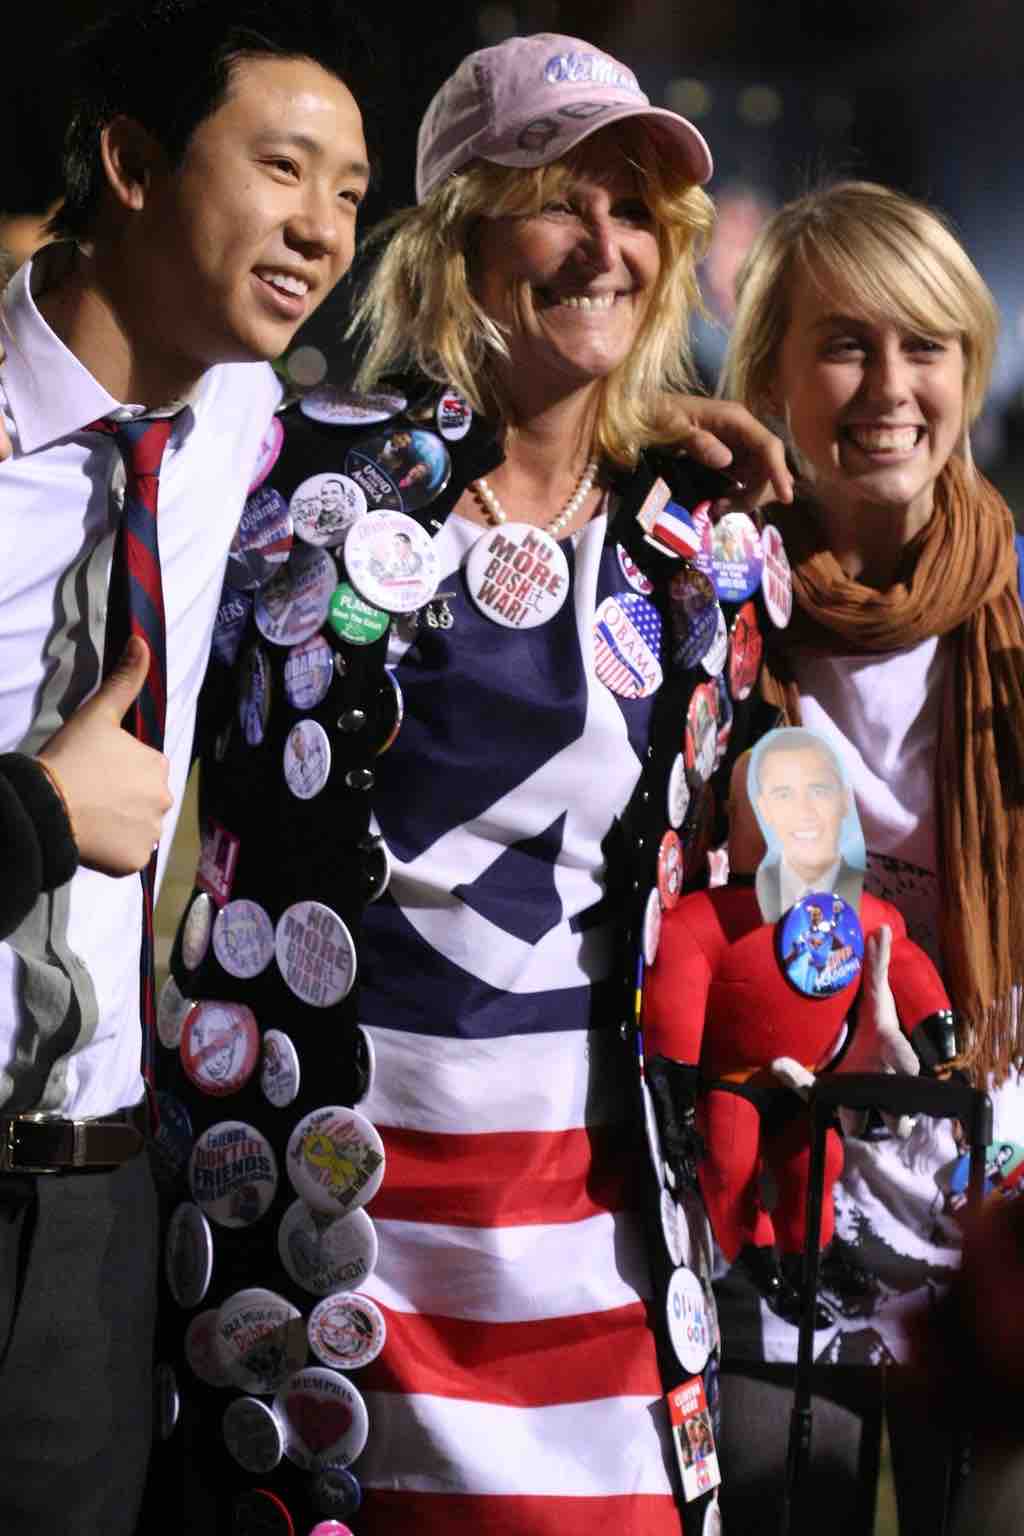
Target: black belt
[39, 1143]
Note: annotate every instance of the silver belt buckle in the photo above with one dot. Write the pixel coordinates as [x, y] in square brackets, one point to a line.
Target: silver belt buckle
[7, 1145]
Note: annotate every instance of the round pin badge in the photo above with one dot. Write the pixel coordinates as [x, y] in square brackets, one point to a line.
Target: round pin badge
[820, 944]
[166, 1400]
[315, 953]
[233, 1173]
[672, 1228]
[330, 1528]
[325, 1417]
[195, 934]
[678, 792]
[736, 559]
[262, 541]
[712, 1524]
[652, 926]
[627, 645]
[726, 715]
[670, 870]
[258, 1512]
[201, 1351]
[694, 613]
[632, 572]
[188, 1254]
[323, 1255]
[308, 670]
[700, 738]
[746, 648]
[254, 695]
[354, 619]
[243, 939]
[698, 829]
[307, 759]
[170, 1014]
[293, 604]
[344, 408]
[172, 1144]
[718, 651]
[279, 1069]
[229, 625]
[397, 714]
[391, 561]
[410, 463]
[375, 863]
[261, 1339]
[346, 1330]
[220, 1046]
[325, 506]
[253, 1435]
[777, 577]
[517, 576]
[454, 416]
[270, 449]
[686, 1312]
[335, 1160]
[335, 1490]
[365, 1055]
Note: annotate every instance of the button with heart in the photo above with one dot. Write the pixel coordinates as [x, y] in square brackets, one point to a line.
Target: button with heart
[324, 1416]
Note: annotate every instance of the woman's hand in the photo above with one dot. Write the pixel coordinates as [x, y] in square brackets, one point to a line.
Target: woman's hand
[724, 435]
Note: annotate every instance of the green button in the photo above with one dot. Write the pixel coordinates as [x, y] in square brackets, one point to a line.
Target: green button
[355, 620]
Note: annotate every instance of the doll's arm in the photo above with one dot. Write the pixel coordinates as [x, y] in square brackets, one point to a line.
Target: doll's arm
[675, 1002]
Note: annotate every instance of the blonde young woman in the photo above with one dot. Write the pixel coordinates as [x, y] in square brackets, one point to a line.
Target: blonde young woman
[866, 334]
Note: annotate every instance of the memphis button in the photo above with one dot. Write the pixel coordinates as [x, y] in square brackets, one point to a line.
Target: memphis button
[627, 645]
[325, 1417]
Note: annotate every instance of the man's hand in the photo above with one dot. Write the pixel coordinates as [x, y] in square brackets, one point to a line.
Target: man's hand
[114, 786]
[724, 435]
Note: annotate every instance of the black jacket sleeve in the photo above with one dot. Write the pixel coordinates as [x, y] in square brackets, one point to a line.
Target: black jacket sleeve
[37, 846]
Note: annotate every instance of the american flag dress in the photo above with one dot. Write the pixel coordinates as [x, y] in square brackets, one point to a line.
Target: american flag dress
[518, 1393]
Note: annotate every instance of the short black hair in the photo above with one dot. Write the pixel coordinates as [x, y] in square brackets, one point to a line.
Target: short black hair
[167, 64]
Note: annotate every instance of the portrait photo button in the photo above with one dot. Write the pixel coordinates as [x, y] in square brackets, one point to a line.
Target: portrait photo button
[220, 1046]
[391, 561]
[307, 759]
[293, 604]
[308, 669]
[324, 508]
[280, 1073]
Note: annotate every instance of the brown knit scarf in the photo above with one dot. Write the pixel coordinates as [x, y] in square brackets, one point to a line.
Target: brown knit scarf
[958, 577]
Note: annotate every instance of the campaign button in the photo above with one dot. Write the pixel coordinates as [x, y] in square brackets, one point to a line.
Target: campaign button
[678, 792]
[322, 1254]
[201, 1350]
[726, 714]
[718, 651]
[354, 619]
[698, 830]
[694, 613]
[375, 862]
[746, 647]
[632, 572]
[820, 944]
[270, 449]
[687, 1315]
[517, 576]
[335, 1160]
[220, 1046]
[233, 1173]
[262, 541]
[671, 1227]
[777, 578]
[243, 939]
[402, 470]
[279, 1069]
[397, 701]
[627, 645]
[170, 1014]
[700, 739]
[713, 1525]
[195, 934]
[308, 669]
[391, 561]
[360, 778]
[670, 870]
[294, 602]
[188, 1254]
[229, 625]
[330, 1528]
[324, 1417]
[346, 1330]
[172, 1143]
[253, 1435]
[261, 1339]
[325, 506]
[307, 759]
[652, 926]
[254, 695]
[218, 855]
[454, 416]
[258, 1512]
[166, 1401]
[344, 408]
[335, 1490]
[735, 559]
[365, 1061]
[315, 953]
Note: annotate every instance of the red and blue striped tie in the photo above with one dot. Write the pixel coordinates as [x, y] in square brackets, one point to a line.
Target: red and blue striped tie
[136, 607]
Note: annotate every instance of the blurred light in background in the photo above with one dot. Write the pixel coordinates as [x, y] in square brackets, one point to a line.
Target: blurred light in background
[759, 105]
[690, 98]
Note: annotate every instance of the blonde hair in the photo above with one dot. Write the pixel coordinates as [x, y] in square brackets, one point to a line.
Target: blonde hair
[418, 308]
[892, 255]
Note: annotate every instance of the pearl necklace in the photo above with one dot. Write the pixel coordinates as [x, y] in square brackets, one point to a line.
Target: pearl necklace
[497, 514]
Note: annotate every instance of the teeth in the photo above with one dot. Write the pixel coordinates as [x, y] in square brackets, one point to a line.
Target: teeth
[876, 438]
[583, 301]
[286, 283]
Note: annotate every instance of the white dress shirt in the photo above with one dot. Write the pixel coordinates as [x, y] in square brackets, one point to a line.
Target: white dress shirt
[69, 975]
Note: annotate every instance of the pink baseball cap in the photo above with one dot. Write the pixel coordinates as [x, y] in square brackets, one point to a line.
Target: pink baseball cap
[528, 100]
